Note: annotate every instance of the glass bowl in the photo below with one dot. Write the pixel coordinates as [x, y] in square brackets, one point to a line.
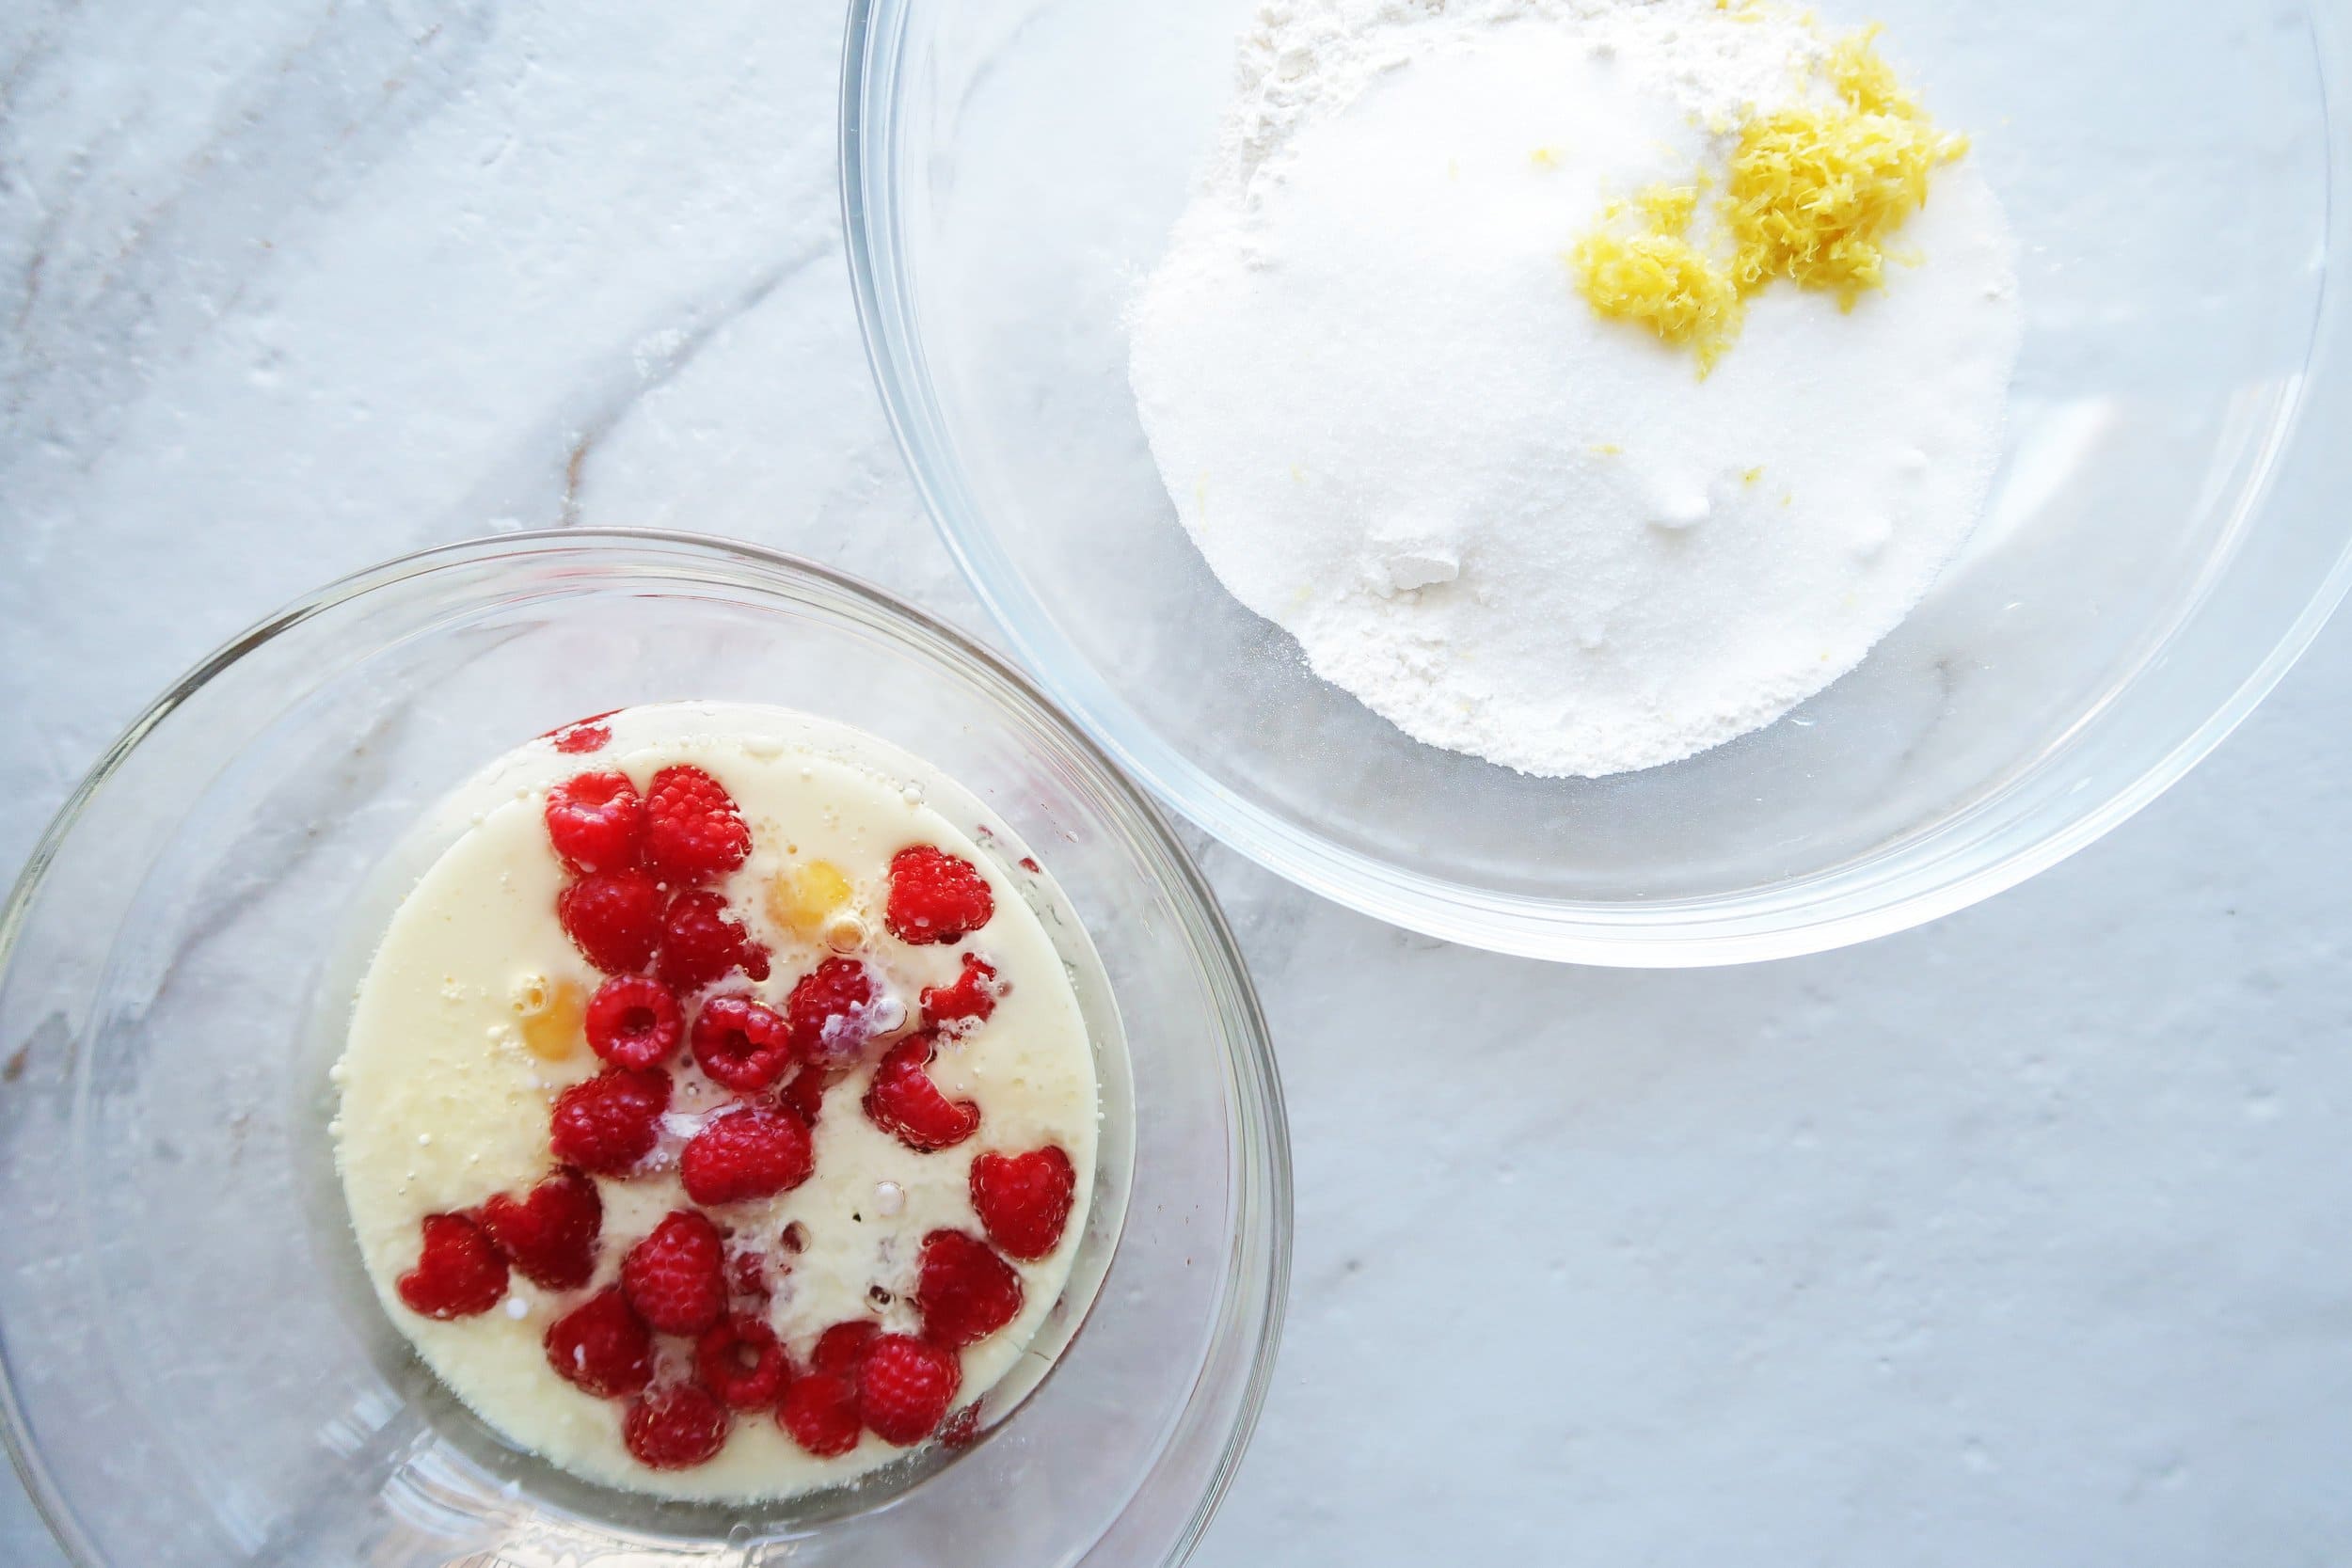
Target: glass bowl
[2166, 535]
[195, 1372]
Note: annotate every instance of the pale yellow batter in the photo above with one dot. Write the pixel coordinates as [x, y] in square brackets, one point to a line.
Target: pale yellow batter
[445, 1102]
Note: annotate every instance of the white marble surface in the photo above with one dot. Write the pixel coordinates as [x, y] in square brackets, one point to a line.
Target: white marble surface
[2020, 1240]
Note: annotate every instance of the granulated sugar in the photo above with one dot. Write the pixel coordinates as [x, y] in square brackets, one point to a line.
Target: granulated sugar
[1512, 528]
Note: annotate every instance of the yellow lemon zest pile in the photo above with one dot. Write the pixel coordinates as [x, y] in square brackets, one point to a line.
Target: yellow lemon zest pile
[1665, 283]
[1814, 195]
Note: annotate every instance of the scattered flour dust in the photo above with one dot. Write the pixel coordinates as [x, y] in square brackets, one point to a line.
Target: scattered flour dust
[1511, 527]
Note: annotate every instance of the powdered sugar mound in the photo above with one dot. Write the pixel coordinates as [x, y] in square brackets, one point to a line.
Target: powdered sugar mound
[1513, 529]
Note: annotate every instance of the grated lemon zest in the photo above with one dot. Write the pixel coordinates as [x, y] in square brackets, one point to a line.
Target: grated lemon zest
[1664, 282]
[1815, 195]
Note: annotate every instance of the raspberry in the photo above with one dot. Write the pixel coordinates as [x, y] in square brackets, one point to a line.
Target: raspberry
[550, 1236]
[935, 896]
[820, 1412]
[610, 1122]
[739, 1360]
[1024, 1200]
[701, 942]
[614, 918]
[902, 1099]
[602, 1347]
[675, 1428]
[593, 820]
[633, 1021]
[962, 1428]
[752, 1151]
[805, 1093]
[676, 1277]
[831, 1011]
[692, 830]
[747, 1275]
[458, 1274]
[964, 1291]
[904, 1387]
[741, 1044]
[968, 1000]
[841, 1349]
[583, 735]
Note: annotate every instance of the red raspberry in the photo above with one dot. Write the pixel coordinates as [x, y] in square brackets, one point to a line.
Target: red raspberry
[752, 1151]
[829, 1011]
[805, 1093]
[820, 1412]
[692, 830]
[613, 917]
[935, 896]
[602, 1347]
[550, 1236]
[583, 735]
[677, 1278]
[739, 1360]
[962, 1428]
[841, 1349]
[1024, 1200]
[904, 1387]
[741, 1044]
[610, 1122]
[701, 942]
[964, 1291]
[593, 820]
[968, 1000]
[675, 1428]
[458, 1274]
[635, 1023]
[747, 1275]
[902, 1099]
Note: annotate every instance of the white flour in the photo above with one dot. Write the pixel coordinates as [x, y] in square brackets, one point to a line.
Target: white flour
[1514, 528]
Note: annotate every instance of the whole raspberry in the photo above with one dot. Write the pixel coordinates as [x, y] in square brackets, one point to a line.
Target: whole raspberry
[830, 1011]
[805, 1093]
[1024, 1200]
[741, 1044]
[583, 735]
[903, 1101]
[594, 820]
[692, 830]
[633, 1021]
[677, 1276]
[739, 1360]
[701, 942]
[819, 1410]
[610, 1122]
[675, 1428]
[905, 1386]
[841, 1349]
[614, 918]
[935, 896]
[458, 1274]
[752, 1151]
[602, 1347]
[550, 1235]
[967, 1001]
[964, 1291]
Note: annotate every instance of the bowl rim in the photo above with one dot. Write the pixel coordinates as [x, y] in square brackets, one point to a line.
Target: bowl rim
[1254, 1078]
[1886, 890]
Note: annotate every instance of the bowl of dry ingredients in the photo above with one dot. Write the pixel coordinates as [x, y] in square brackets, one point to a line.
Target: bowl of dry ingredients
[1636, 482]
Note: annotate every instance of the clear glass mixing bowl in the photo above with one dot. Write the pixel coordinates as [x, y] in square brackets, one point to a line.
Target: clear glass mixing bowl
[196, 1373]
[2167, 534]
